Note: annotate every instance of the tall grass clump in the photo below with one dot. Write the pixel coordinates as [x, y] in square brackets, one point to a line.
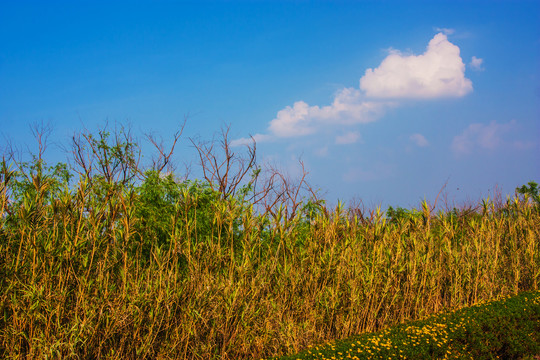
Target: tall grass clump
[103, 259]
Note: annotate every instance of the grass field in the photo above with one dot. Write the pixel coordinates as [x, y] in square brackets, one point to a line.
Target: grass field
[103, 260]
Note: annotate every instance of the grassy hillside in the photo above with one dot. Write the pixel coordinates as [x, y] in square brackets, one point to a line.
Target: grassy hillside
[507, 328]
[104, 260]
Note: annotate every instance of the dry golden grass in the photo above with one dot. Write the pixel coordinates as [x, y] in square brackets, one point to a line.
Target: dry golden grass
[166, 270]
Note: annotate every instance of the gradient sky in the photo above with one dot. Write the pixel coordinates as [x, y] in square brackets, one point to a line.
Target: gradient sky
[383, 101]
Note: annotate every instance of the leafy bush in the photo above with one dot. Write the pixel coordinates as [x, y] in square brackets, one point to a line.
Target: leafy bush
[530, 192]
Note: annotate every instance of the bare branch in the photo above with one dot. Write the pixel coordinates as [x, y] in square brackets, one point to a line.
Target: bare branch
[164, 157]
[225, 171]
[41, 133]
[114, 158]
[280, 189]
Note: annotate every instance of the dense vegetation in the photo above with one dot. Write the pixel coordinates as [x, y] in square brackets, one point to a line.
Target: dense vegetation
[103, 259]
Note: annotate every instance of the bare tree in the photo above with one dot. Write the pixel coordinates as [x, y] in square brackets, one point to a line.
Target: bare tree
[281, 190]
[164, 157]
[223, 169]
[33, 174]
[269, 188]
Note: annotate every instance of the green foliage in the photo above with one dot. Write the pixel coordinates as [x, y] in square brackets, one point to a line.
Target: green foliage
[530, 192]
[157, 207]
[400, 214]
[36, 180]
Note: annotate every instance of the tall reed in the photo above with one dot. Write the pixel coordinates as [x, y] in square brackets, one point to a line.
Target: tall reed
[163, 269]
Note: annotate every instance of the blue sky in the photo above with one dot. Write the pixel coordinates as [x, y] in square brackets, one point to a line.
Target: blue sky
[383, 101]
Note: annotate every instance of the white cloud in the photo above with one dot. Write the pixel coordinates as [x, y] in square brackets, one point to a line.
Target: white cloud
[476, 63]
[445, 31]
[348, 138]
[480, 136]
[439, 72]
[419, 140]
[348, 108]
[293, 121]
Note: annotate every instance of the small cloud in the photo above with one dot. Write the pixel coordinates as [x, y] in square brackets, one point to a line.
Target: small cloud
[322, 152]
[348, 138]
[419, 140]
[249, 140]
[476, 63]
[292, 121]
[445, 31]
[438, 72]
[481, 136]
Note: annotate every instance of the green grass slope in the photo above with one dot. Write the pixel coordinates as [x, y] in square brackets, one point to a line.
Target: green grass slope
[508, 328]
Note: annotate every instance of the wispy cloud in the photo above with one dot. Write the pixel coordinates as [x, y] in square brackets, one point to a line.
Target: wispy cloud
[476, 63]
[481, 136]
[322, 152]
[445, 31]
[438, 72]
[348, 138]
[419, 140]
[249, 140]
